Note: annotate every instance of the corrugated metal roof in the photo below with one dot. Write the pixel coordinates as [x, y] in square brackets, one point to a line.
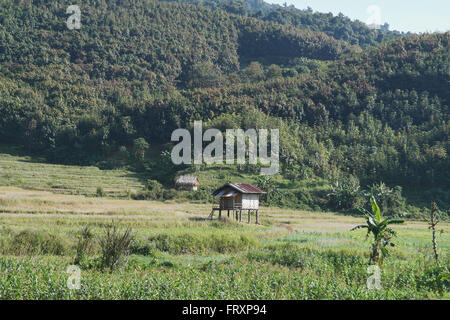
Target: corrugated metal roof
[248, 188]
[240, 187]
[230, 193]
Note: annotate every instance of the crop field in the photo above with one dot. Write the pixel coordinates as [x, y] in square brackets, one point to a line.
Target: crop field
[179, 254]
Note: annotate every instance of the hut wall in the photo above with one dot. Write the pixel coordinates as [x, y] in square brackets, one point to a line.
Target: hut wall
[250, 201]
[226, 203]
[238, 200]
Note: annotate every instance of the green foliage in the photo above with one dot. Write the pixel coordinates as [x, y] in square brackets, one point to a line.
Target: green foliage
[204, 75]
[254, 72]
[203, 193]
[35, 242]
[273, 71]
[382, 235]
[391, 201]
[149, 67]
[433, 221]
[84, 245]
[100, 192]
[115, 247]
[436, 277]
[153, 191]
[153, 185]
[143, 247]
[336, 26]
[201, 243]
[140, 146]
[345, 193]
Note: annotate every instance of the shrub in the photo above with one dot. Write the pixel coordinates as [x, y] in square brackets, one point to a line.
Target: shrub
[100, 192]
[200, 243]
[144, 248]
[436, 278]
[84, 244]
[203, 193]
[390, 200]
[153, 185]
[153, 191]
[29, 242]
[140, 146]
[115, 247]
[169, 194]
[345, 193]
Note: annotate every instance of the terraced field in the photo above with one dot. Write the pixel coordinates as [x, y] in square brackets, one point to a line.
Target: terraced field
[27, 172]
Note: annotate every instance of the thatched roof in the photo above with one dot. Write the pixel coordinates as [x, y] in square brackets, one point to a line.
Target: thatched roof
[187, 181]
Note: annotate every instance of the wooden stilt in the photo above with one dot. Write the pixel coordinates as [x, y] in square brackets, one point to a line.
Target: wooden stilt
[228, 214]
[257, 217]
[240, 215]
[220, 214]
[248, 216]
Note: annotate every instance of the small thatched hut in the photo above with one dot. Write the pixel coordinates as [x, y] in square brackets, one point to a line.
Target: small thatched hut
[187, 183]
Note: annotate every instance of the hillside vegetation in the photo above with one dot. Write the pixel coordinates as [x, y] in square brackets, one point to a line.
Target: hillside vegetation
[352, 110]
[337, 26]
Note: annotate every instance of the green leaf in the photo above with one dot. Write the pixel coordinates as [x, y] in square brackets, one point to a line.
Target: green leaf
[371, 222]
[359, 227]
[395, 221]
[375, 210]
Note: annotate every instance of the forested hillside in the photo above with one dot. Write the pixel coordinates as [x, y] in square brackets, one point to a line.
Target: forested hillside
[138, 69]
[339, 27]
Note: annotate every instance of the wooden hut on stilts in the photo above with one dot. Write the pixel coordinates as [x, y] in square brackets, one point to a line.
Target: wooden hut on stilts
[235, 198]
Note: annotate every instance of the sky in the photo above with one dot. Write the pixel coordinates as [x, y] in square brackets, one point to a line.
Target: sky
[402, 15]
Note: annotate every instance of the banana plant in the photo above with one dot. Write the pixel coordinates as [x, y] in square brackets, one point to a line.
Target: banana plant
[382, 234]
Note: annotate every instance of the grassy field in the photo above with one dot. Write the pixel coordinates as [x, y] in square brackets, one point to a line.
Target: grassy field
[179, 254]
[21, 170]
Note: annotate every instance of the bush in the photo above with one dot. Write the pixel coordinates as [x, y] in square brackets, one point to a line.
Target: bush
[140, 146]
[170, 194]
[84, 244]
[200, 243]
[203, 193]
[436, 278]
[153, 185]
[153, 191]
[29, 242]
[100, 192]
[144, 248]
[115, 247]
[345, 193]
[390, 201]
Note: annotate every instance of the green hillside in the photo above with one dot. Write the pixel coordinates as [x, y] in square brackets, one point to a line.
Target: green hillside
[355, 107]
[337, 26]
